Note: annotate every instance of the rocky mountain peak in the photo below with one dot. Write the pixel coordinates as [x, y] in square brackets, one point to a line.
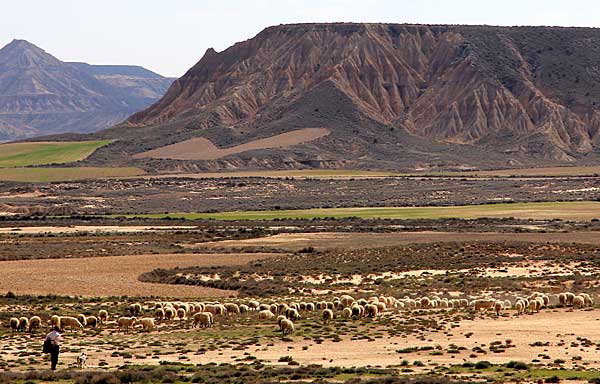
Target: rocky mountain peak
[23, 54]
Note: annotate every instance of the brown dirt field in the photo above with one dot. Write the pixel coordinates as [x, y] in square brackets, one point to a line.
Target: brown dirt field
[110, 276]
[203, 149]
[331, 240]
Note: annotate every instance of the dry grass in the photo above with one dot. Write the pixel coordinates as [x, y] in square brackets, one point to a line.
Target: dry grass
[110, 276]
[348, 240]
[203, 149]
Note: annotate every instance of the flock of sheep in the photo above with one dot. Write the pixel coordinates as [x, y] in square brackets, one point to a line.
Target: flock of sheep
[203, 314]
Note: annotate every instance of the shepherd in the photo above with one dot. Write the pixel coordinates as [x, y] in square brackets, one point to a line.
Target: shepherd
[52, 346]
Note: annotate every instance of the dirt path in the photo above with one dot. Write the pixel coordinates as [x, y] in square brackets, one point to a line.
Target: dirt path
[330, 240]
[111, 276]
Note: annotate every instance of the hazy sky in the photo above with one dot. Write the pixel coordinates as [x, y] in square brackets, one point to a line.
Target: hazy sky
[169, 36]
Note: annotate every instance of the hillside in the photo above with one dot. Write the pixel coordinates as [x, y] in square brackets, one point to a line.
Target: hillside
[391, 96]
[40, 94]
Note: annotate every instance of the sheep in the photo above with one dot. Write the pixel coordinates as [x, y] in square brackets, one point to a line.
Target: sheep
[562, 299]
[279, 318]
[14, 324]
[198, 307]
[570, 297]
[357, 310]
[371, 310]
[587, 299]
[520, 307]
[483, 304]
[55, 321]
[310, 307]
[135, 308]
[82, 319]
[535, 305]
[92, 321]
[23, 324]
[265, 315]
[253, 304]
[103, 315]
[578, 301]
[244, 308]
[181, 313]
[498, 305]
[126, 322]
[147, 323]
[232, 308]
[159, 313]
[34, 323]
[381, 307]
[70, 322]
[292, 314]
[347, 313]
[202, 319]
[287, 326]
[346, 300]
[169, 313]
[264, 307]
[327, 315]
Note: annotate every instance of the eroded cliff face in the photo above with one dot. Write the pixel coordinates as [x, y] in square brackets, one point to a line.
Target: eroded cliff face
[527, 91]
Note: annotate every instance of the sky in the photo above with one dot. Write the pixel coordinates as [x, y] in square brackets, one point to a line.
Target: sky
[170, 36]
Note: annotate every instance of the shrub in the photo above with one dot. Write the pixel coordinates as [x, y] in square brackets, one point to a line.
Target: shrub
[483, 364]
[519, 365]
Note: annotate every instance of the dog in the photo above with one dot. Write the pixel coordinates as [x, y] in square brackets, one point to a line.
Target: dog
[81, 360]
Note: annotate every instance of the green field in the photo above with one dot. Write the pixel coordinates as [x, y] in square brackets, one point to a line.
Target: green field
[580, 210]
[43, 153]
[41, 175]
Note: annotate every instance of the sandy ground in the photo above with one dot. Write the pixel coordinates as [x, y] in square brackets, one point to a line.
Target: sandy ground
[548, 326]
[331, 240]
[108, 276]
[92, 228]
[203, 149]
[546, 336]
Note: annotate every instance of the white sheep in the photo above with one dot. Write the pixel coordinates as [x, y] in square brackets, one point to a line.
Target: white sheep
[92, 321]
[135, 308]
[328, 315]
[347, 313]
[520, 307]
[126, 322]
[23, 324]
[103, 315]
[147, 323]
[35, 322]
[202, 319]
[578, 301]
[14, 324]
[55, 321]
[287, 326]
[69, 322]
[265, 315]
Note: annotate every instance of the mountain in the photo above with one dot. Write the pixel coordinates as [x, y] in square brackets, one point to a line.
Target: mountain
[383, 96]
[40, 94]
